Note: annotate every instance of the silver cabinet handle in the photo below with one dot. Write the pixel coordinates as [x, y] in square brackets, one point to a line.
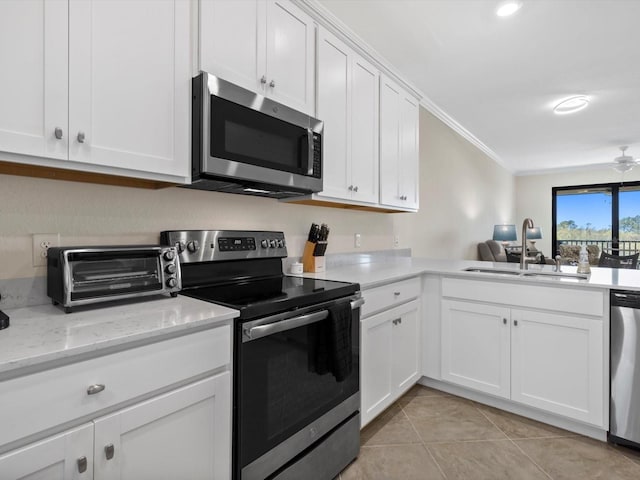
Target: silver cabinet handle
[397, 294]
[515, 323]
[263, 80]
[95, 388]
[80, 137]
[355, 189]
[272, 84]
[109, 451]
[504, 320]
[82, 464]
[58, 133]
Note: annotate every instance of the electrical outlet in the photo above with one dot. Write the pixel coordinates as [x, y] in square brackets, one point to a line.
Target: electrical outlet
[41, 244]
[357, 240]
[396, 240]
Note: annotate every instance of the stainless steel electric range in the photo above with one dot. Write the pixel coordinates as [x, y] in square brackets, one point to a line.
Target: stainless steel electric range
[296, 395]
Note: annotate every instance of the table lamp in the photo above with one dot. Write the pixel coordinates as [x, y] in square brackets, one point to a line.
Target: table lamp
[504, 234]
[534, 234]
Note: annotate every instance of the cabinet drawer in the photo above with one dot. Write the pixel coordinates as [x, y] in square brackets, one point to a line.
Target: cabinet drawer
[387, 296]
[43, 400]
[588, 301]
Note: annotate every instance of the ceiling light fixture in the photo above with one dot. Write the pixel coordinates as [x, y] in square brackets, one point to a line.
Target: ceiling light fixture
[571, 105]
[506, 9]
[624, 162]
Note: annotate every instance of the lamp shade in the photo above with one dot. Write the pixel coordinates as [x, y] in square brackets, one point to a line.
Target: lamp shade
[504, 233]
[534, 233]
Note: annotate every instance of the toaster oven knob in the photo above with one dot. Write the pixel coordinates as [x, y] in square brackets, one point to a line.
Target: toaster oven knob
[273, 244]
[169, 255]
[280, 243]
[172, 282]
[265, 243]
[171, 268]
[193, 246]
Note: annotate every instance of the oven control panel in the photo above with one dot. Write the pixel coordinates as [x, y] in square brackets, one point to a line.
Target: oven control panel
[220, 245]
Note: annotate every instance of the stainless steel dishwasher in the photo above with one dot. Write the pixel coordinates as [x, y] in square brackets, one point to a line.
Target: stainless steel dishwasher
[624, 415]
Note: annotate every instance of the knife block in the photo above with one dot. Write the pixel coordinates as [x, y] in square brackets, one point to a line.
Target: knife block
[311, 264]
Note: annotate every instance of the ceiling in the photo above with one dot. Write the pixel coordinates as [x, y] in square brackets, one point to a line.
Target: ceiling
[499, 78]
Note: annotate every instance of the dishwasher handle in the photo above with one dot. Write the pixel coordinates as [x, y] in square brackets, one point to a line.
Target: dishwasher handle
[625, 298]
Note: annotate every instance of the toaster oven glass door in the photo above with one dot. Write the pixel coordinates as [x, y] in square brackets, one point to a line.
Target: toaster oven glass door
[99, 275]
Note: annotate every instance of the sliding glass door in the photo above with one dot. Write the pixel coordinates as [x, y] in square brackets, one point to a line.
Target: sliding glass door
[604, 215]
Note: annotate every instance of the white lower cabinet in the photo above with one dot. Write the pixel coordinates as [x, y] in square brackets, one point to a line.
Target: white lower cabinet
[546, 360]
[184, 432]
[390, 357]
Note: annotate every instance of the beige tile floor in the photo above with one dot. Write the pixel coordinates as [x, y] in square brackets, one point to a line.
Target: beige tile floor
[428, 434]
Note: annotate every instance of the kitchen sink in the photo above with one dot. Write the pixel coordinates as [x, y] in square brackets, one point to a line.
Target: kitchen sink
[527, 273]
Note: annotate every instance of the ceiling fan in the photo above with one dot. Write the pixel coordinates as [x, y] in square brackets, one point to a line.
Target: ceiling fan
[624, 162]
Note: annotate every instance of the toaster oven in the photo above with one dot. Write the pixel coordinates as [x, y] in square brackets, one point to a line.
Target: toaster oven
[86, 275]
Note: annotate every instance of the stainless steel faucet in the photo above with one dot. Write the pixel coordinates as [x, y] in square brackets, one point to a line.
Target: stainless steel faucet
[528, 223]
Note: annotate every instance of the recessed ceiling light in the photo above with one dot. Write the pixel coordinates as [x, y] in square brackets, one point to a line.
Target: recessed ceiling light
[508, 8]
[571, 105]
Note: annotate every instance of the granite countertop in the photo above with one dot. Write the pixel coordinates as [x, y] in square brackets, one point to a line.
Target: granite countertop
[370, 275]
[44, 333]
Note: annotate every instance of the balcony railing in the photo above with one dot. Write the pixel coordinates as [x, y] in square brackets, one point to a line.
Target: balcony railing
[625, 247]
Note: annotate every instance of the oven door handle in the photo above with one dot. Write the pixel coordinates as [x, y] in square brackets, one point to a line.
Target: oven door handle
[260, 331]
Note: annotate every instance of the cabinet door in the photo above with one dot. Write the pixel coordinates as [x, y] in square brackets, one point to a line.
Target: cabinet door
[475, 346]
[129, 84]
[33, 83]
[334, 79]
[405, 346]
[230, 34]
[408, 175]
[557, 364]
[55, 458]
[364, 130]
[389, 142]
[290, 56]
[185, 433]
[376, 365]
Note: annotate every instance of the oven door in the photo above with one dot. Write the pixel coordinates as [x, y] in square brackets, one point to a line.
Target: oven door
[282, 404]
[252, 138]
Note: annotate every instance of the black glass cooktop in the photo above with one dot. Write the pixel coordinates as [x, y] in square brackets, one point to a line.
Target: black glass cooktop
[267, 296]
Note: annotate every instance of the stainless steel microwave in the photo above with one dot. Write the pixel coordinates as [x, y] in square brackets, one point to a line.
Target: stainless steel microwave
[243, 142]
[86, 275]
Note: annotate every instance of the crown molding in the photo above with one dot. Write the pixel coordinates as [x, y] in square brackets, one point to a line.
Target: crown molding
[328, 20]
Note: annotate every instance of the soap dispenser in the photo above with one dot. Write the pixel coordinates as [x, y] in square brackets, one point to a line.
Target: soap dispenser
[583, 263]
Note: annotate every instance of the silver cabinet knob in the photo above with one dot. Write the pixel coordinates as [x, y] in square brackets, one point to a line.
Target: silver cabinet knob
[263, 80]
[272, 84]
[504, 320]
[95, 388]
[109, 451]
[80, 137]
[355, 189]
[58, 133]
[350, 187]
[82, 464]
[515, 323]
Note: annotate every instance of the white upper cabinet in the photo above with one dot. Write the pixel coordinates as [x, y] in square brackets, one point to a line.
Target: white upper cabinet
[129, 84]
[399, 163]
[348, 105]
[33, 83]
[265, 46]
[102, 83]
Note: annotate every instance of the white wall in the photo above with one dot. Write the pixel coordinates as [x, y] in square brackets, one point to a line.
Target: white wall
[463, 193]
[533, 196]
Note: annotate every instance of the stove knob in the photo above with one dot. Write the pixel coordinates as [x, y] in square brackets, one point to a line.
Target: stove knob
[171, 268]
[280, 243]
[180, 246]
[172, 282]
[273, 244]
[193, 246]
[169, 255]
[265, 243]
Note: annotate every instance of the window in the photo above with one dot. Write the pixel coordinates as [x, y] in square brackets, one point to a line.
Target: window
[604, 215]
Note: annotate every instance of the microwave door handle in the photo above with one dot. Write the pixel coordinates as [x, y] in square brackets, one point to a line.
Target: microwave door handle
[253, 333]
[309, 151]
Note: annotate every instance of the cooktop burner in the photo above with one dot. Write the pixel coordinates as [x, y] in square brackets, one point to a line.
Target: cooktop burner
[260, 297]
